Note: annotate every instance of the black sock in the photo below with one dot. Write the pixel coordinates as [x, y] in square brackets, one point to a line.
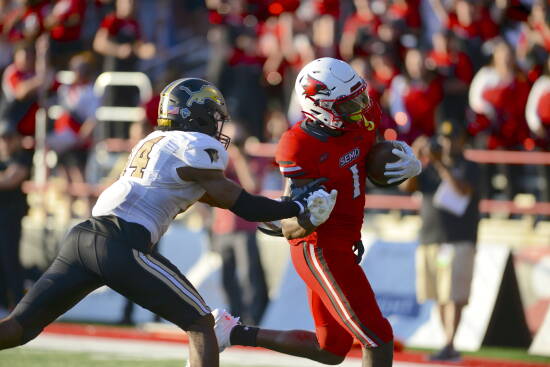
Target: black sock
[244, 335]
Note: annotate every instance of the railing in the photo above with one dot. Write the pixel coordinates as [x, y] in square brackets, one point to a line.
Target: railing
[372, 201]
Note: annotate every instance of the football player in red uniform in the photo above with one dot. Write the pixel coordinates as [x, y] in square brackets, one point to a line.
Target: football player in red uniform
[332, 142]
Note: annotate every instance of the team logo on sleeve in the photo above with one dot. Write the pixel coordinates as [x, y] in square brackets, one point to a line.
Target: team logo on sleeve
[213, 154]
[312, 87]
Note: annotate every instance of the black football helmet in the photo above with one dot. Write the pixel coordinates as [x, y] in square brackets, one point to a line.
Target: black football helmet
[193, 104]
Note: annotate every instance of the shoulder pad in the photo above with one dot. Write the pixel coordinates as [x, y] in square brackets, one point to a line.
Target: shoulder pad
[203, 151]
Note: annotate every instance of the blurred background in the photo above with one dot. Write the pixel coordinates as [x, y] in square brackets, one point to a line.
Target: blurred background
[80, 85]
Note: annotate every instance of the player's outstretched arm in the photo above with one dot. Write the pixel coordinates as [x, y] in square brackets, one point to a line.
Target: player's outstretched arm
[224, 193]
[319, 209]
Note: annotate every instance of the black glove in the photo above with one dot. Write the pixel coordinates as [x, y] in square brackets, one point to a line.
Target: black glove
[358, 249]
[300, 194]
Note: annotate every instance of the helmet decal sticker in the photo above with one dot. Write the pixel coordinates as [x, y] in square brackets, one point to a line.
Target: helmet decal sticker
[173, 110]
[185, 113]
[312, 87]
[200, 96]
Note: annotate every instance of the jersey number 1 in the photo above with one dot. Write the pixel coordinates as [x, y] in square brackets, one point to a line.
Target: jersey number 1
[141, 158]
[356, 186]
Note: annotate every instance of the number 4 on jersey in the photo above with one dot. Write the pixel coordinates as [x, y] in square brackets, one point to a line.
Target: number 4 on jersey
[141, 158]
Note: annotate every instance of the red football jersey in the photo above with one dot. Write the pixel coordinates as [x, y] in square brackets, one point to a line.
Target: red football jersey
[302, 153]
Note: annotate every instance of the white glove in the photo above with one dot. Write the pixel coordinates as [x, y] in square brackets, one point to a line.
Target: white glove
[320, 204]
[406, 167]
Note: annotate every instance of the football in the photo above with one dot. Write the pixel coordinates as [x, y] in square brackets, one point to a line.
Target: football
[378, 156]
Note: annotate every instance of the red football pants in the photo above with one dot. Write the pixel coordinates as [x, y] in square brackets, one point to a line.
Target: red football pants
[341, 299]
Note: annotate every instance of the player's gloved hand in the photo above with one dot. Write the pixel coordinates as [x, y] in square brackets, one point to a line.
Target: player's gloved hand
[300, 194]
[406, 167]
[358, 249]
[320, 205]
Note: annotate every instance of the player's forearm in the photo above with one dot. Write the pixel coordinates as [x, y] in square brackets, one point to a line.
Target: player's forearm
[299, 227]
[256, 208]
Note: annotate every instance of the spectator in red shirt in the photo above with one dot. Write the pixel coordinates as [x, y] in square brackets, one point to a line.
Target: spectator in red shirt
[65, 26]
[466, 19]
[324, 27]
[20, 85]
[537, 114]
[414, 98]
[383, 70]
[469, 21]
[26, 22]
[406, 13]
[534, 42]
[498, 95]
[360, 30]
[447, 58]
[455, 68]
[241, 82]
[71, 135]
[119, 39]
[537, 111]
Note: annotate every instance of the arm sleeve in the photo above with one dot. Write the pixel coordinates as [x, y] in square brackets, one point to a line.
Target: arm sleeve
[255, 208]
[296, 159]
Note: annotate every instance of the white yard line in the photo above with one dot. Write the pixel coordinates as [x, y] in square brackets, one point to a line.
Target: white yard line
[139, 349]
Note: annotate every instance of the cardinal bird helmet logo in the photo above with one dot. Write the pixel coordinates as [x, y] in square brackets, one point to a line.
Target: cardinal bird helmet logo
[312, 87]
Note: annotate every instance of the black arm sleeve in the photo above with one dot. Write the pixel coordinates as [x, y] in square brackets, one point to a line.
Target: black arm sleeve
[255, 208]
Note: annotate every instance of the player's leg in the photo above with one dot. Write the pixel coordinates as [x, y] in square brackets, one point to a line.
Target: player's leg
[151, 281]
[454, 278]
[223, 243]
[203, 347]
[250, 274]
[347, 294]
[380, 356]
[11, 271]
[64, 284]
[329, 345]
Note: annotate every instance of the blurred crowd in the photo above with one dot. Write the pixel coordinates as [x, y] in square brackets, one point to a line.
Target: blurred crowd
[482, 65]
[472, 63]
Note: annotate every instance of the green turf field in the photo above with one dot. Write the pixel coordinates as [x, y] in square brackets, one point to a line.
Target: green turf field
[20, 357]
